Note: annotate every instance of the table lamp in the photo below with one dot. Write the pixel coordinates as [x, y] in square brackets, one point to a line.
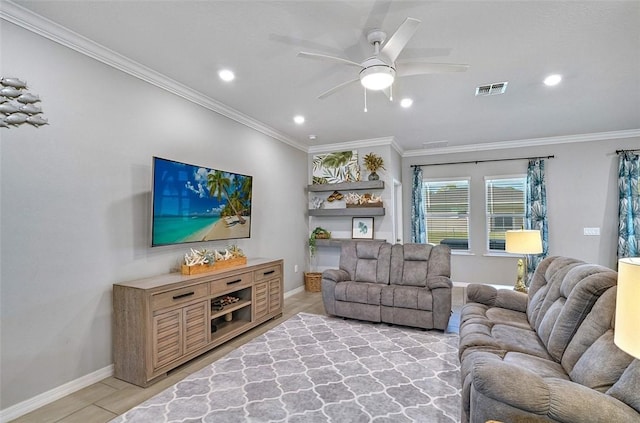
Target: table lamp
[625, 333]
[523, 242]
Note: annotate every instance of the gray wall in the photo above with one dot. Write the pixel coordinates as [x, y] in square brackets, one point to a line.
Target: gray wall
[75, 205]
[581, 192]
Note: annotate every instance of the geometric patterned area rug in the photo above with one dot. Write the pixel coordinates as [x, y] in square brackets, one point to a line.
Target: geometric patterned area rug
[314, 368]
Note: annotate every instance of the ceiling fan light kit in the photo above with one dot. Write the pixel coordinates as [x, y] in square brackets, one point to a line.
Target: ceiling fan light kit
[377, 77]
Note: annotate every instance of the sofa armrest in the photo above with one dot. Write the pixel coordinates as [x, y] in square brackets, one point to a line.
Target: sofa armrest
[492, 297]
[558, 399]
[434, 282]
[336, 275]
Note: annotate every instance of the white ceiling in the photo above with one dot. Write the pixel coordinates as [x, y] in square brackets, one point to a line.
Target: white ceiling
[594, 45]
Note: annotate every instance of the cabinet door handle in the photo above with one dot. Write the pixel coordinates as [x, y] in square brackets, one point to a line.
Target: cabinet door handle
[232, 282]
[186, 294]
[269, 272]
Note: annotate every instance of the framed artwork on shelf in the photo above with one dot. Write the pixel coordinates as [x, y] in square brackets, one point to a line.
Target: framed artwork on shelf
[362, 228]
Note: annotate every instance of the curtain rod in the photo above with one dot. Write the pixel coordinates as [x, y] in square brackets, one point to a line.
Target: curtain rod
[484, 161]
[629, 151]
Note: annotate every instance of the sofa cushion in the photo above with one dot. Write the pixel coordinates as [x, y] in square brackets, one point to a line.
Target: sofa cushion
[413, 264]
[409, 264]
[626, 388]
[540, 366]
[568, 301]
[596, 324]
[412, 297]
[504, 316]
[545, 285]
[366, 270]
[597, 373]
[358, 292]
[366, 261]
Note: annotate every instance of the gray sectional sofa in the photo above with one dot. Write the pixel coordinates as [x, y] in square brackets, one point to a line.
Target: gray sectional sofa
[399, 284]
[549, 355]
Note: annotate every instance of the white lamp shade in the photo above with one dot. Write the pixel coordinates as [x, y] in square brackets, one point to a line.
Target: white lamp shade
[523, 242]
[627, 326]
[377, 77]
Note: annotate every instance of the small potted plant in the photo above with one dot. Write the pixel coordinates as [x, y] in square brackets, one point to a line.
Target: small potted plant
[313, 280]
[317, 233]
[373, 163]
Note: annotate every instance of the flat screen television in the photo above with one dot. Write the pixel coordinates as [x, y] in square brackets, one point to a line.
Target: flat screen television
[196, 204]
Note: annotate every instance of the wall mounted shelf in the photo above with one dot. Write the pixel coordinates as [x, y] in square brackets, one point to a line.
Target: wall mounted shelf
[351, 211]
[347, 186]
[337, 242]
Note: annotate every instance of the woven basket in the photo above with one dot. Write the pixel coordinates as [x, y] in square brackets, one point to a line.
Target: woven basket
[312, 281]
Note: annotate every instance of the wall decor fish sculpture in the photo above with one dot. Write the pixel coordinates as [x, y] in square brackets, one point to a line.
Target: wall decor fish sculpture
[28, 98]
[37, 120]
[9, 107]
[10, 92]
[13, 82]
[30, 108]
[16, 104]
[16, 118]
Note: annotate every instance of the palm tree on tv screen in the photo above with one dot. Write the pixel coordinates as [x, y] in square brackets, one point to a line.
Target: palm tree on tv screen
[219, 184]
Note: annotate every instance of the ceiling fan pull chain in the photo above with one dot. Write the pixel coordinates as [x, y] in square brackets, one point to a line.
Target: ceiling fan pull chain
[365, 100]
[391, 92]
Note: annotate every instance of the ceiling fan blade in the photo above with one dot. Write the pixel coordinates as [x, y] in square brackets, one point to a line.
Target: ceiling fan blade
[399, 39]
[324, 57]
[418, 68]
[337, 88]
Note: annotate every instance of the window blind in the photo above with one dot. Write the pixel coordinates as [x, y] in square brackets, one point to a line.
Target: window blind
[446, 206]
[505, 199]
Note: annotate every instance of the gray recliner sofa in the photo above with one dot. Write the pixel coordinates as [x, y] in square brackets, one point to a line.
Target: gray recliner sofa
[400, 284]
[549, 355]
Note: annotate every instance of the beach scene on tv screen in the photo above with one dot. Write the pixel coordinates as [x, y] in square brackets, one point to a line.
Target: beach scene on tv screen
[192, 203]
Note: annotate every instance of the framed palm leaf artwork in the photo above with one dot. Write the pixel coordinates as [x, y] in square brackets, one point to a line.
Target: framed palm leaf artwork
[333, 168]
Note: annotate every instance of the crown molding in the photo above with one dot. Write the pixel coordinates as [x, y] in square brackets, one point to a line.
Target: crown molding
[533, 142]
[46, 28]
[350, 145]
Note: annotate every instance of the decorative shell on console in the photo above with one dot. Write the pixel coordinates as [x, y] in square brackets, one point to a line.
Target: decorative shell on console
[207, 257]
[235, 251]
[198, 257]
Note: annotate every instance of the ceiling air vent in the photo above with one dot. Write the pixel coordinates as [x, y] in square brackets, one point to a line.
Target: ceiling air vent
[491, 89]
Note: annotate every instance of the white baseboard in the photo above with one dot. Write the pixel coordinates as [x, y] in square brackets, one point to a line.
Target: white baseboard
[54, 394]
[294, 291]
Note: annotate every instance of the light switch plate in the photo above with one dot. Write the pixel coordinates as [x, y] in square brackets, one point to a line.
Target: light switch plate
[592, 231]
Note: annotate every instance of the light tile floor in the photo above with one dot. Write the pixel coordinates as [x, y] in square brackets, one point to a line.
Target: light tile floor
[103, 401]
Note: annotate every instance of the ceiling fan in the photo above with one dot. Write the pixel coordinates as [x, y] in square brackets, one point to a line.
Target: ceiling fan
[379, 71]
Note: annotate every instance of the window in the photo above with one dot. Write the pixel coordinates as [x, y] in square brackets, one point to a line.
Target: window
[505, 208]
[446, 206]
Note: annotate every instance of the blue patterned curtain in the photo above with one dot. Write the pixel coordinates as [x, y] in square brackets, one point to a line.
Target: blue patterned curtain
[418, 233]
[536, 211]
[629, 205]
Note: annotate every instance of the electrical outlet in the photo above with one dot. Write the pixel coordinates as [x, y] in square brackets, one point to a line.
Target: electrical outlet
[295, 268]
[592, 231]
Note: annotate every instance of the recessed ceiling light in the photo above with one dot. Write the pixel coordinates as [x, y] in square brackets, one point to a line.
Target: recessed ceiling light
[552, 80]
[406, 102]
[299, 119]
[226, 75]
